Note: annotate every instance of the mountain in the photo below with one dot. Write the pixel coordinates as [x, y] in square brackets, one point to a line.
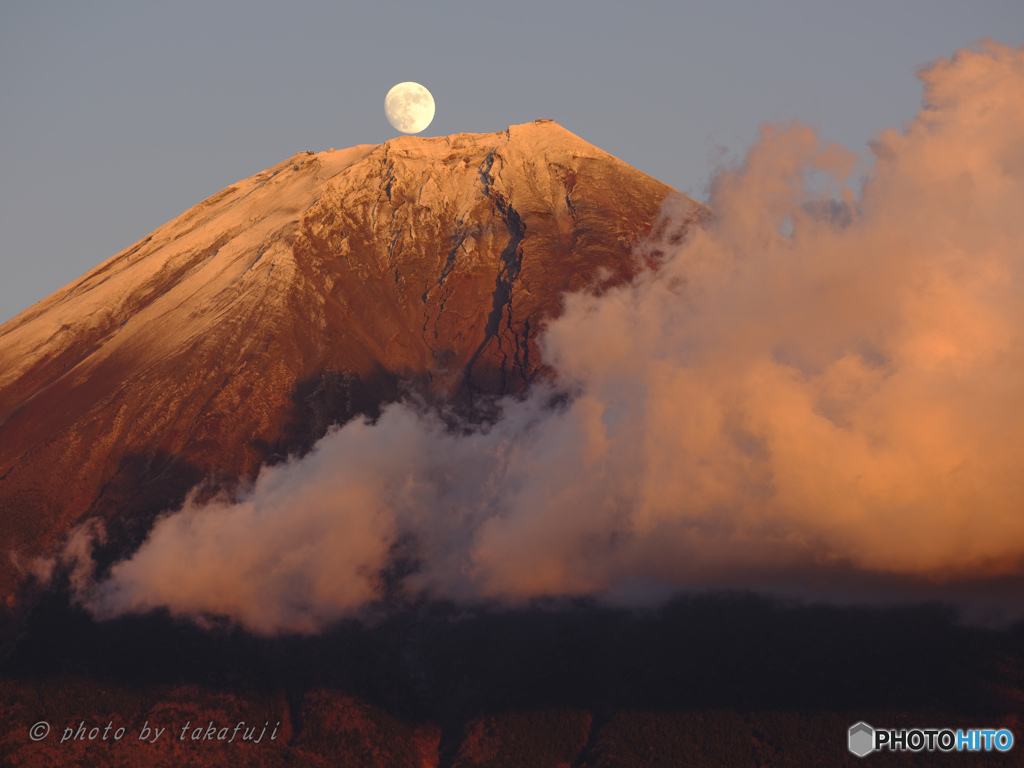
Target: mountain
[317, 290]
[238, 332]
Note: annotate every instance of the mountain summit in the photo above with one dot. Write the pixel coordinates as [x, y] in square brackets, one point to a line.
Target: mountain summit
[238, 332]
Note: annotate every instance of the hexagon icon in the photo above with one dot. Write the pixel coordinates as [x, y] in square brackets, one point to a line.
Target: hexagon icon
[862, 739]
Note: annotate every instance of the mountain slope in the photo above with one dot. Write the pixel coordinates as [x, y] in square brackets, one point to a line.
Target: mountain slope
[239, 331]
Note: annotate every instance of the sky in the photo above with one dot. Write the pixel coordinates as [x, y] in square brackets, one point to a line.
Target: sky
[118, 116]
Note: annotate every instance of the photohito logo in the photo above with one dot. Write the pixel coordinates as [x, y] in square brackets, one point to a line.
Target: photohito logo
[863, 739]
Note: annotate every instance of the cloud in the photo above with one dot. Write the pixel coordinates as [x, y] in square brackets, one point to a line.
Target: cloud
[74, 561]
[820, 381]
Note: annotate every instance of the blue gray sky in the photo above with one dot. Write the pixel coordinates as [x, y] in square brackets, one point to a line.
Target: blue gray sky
[117, 116]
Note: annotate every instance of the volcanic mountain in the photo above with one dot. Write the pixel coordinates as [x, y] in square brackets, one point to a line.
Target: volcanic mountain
[309, 293]
[235, 335]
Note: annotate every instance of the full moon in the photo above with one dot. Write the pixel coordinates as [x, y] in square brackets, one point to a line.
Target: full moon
[409, 107]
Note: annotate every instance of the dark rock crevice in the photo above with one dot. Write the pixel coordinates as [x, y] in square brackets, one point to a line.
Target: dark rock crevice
[511, 262]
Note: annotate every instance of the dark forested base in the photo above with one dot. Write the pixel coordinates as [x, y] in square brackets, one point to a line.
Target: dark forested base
[712, 680]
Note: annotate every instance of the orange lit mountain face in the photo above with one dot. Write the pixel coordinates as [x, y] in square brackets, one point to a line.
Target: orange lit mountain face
[239, 331]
